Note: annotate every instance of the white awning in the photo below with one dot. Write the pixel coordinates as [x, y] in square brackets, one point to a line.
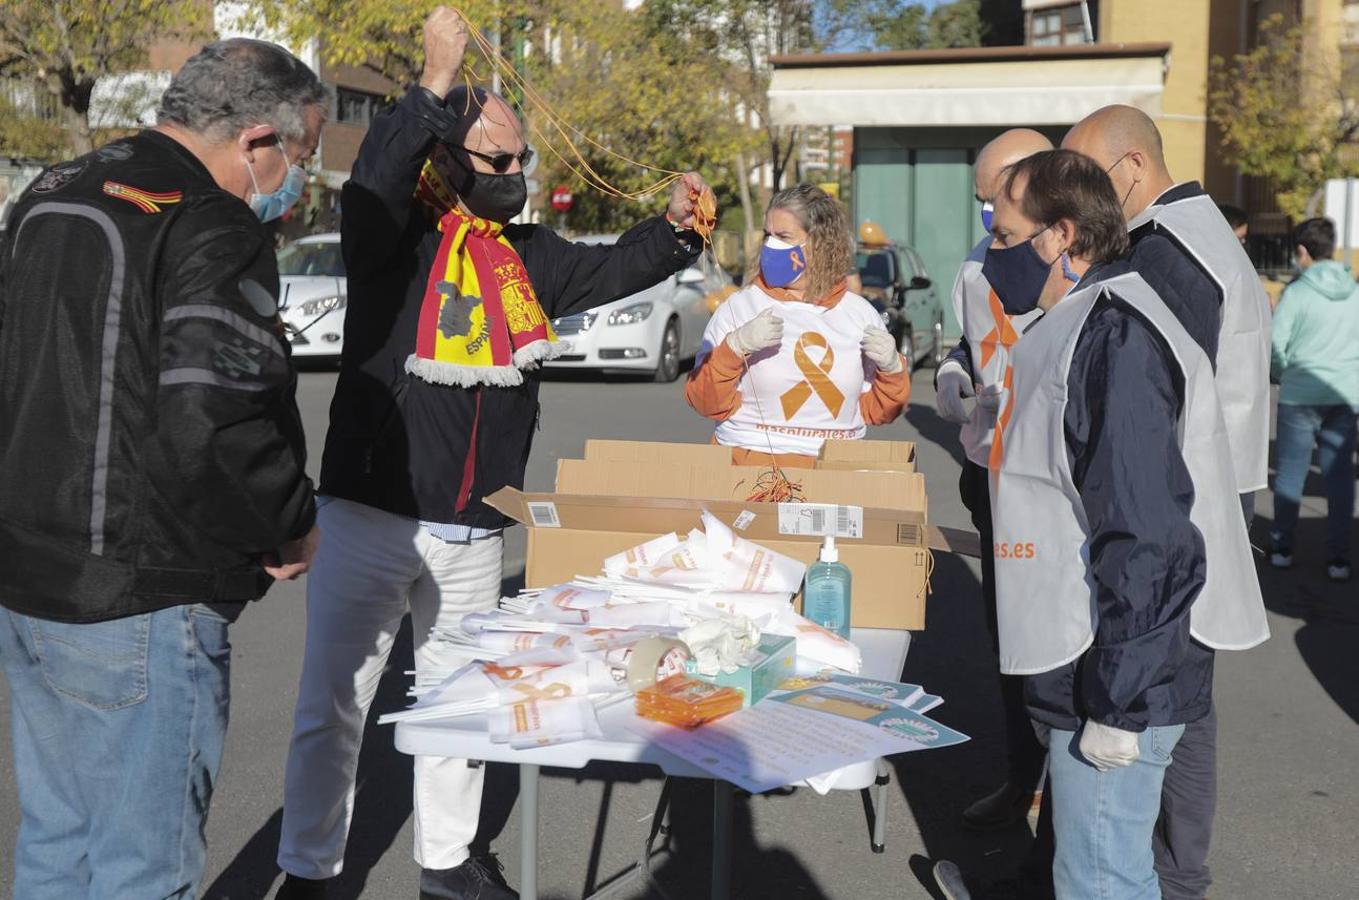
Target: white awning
[984, 93]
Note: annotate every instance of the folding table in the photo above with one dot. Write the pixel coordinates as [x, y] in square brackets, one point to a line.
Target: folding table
[884, 657]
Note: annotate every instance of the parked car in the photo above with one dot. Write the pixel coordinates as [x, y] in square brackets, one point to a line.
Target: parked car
[313, 293]
[653, 331]
[896, 283]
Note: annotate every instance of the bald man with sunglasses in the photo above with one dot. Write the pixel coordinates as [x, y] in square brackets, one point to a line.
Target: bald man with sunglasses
[435, 408]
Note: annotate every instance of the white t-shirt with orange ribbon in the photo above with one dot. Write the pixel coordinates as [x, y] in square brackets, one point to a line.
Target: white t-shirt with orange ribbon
[805, 392]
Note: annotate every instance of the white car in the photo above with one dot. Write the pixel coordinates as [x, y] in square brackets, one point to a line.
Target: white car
[650, 332]
[313, 293]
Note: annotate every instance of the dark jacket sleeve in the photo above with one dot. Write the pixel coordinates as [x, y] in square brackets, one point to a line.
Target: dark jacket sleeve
[379, 196]
[232, 452]
[571, 278]
[1146, 557]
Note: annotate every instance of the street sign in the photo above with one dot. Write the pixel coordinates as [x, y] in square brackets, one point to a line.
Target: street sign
[533, 186]
[562, 199]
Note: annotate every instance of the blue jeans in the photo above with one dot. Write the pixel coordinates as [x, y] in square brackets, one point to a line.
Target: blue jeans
[1103, 821]
[1330, 429]
[118, 729]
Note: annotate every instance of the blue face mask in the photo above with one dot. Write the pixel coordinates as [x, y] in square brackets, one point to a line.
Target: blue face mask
[781, 263]
[988, 211]
[274, 204]
[1018, 275]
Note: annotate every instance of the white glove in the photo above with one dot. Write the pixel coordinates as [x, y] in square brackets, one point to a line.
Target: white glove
[760, 333]
[952, 384]
[881, 348]
[989, 400]
[1107, 748]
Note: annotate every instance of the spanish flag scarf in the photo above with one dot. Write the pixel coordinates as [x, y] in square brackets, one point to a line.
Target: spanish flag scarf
[480, 320]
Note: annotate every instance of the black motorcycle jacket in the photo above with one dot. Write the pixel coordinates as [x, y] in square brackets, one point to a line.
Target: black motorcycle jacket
[151, 451]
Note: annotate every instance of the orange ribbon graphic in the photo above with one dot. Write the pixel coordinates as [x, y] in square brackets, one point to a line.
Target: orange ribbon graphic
[816, 378]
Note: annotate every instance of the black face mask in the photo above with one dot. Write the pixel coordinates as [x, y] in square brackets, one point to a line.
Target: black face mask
[495, 198]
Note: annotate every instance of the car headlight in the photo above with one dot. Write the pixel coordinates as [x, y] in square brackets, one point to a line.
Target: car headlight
[630, 315]
[321, 305]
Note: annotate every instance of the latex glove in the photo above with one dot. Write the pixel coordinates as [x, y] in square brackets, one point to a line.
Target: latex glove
[760, 333]
[881, 348]
[952, 384]
[1107, 748]
[989, 400]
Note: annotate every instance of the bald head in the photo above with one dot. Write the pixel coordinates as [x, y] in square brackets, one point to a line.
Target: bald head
[1127, 144]
[1003, 152]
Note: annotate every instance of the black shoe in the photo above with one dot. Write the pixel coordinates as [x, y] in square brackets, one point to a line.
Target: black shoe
[476, 879]
[295, 888]
[1004, 807]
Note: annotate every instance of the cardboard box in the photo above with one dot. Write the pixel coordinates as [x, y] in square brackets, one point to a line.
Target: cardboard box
[773, 661]
[883, 456]
[625, 493]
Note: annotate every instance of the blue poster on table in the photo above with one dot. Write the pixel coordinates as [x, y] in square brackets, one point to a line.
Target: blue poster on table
[888, 716]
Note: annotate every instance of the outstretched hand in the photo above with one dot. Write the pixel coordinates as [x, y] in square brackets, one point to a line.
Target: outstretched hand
[445, 46]
[684, 199]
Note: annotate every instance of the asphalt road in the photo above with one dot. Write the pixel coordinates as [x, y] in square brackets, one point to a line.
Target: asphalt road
[1288, 710]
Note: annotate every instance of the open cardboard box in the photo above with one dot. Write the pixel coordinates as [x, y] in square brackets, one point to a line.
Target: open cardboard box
[625, 492]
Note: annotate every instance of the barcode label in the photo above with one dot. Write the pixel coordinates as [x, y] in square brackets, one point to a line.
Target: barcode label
[544, 514]
[820, 519]
[743, 520]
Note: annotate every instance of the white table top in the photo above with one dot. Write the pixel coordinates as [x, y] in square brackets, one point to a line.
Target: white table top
[884, 656]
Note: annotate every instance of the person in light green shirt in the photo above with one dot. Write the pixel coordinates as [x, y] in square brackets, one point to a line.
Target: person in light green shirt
[1316, 363]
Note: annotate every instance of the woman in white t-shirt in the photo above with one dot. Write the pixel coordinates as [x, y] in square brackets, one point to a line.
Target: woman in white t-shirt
[794, 359]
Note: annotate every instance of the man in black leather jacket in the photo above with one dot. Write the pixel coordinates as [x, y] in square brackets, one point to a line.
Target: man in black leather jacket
[409, 458]
[151, 468]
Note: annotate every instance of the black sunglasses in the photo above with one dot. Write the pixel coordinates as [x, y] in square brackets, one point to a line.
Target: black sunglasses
[501, 161]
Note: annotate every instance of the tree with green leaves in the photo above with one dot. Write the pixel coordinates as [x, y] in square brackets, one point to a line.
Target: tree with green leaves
[1286, 115]
[605, 71]
[65, 47]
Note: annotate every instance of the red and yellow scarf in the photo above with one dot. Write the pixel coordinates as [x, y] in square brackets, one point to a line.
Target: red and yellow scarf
[480, 320]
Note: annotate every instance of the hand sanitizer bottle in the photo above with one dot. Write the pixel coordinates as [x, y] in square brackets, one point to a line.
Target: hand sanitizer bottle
[826, 594]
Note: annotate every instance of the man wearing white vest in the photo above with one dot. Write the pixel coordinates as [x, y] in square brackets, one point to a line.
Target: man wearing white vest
[976, 368]
[1185, 249]
[1122, 560]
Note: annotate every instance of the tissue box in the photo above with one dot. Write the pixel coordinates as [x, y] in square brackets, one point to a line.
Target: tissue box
[773, 660]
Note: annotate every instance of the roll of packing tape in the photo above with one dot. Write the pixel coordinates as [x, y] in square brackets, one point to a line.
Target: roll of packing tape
[655, 659]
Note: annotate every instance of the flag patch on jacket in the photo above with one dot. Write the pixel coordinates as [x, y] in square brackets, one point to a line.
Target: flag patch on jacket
[146, 201]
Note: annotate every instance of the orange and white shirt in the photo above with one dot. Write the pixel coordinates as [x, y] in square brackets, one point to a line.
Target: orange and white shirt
[816, 386]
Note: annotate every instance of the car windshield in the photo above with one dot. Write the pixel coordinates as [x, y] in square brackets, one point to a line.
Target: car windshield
[877, 268]
[312, 258]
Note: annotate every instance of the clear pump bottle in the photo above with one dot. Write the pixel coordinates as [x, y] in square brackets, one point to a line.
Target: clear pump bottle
[826, 595]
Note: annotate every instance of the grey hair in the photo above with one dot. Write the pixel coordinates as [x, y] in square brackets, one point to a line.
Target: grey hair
[830, 245]
[238, 83]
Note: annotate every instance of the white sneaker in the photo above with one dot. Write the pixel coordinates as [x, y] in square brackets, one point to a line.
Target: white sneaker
[1281, 560]
[1338, 570]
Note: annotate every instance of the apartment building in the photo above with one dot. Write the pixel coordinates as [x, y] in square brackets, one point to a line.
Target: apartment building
[919, 117]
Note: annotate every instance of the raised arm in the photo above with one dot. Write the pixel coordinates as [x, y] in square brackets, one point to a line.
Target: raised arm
[379, 195]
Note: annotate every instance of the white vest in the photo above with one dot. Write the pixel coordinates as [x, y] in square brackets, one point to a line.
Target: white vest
[1196, 225]
[990, 334]
[807, 392]
[1046, 599]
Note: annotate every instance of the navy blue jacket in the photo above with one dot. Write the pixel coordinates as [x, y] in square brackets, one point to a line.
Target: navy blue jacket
[1125, 395]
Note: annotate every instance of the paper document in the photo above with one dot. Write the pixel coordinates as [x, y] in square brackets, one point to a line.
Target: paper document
[802, 735]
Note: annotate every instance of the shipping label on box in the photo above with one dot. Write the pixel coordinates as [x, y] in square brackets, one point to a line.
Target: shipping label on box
[821, 519]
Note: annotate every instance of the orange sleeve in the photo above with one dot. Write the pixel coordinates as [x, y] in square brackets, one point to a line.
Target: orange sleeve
[713, 388]
[888, 396]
